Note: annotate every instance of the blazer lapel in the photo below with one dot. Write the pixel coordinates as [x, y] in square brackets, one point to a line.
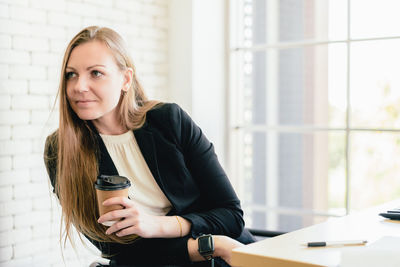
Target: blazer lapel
[106, 165]
[146, 144]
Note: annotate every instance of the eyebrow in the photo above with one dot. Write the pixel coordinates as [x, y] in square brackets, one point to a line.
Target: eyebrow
[88, 68]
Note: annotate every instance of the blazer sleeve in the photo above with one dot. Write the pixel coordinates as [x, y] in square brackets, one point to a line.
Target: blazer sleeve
[154, 251]
[221, 213]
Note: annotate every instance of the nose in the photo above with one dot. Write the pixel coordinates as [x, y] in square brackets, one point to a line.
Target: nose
[81, 85]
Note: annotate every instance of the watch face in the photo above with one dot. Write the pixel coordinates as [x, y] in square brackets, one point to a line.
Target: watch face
[206, 244]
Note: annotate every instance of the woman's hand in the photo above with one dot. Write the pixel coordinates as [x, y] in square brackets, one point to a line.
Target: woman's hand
[223, 247]
[131, 219]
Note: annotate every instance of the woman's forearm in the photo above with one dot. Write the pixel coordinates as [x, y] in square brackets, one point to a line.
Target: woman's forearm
[223, 246]
[173, 226]
[176, 226]
[193, 250]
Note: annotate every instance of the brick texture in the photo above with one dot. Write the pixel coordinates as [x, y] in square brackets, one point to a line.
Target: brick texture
[33, 36]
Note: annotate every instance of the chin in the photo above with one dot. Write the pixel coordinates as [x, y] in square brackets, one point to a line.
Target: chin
[87, 117]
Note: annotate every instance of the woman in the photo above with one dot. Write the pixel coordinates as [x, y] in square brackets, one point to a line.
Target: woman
[108, 126]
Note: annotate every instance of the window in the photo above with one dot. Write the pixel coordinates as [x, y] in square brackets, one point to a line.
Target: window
[314, 93]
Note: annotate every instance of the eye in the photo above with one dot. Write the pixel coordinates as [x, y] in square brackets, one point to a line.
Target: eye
[96, 73]
[70, 75]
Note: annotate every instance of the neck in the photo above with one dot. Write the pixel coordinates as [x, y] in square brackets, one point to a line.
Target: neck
[112, 127]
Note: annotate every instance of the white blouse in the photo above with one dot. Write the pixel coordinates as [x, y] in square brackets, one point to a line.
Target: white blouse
[129, 161]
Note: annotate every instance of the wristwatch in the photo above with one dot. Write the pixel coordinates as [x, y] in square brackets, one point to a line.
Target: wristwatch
[206, 246]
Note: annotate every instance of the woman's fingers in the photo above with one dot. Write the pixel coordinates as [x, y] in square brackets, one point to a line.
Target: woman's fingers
[117, 226]
[125, 218]
[129, 208]
[123, 201]
[116, 215]
[126, 231]
[130, 220]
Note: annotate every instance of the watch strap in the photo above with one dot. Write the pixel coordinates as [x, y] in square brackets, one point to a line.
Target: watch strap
[207, 256]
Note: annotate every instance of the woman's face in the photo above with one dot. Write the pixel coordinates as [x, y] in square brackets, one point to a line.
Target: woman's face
[94, 83]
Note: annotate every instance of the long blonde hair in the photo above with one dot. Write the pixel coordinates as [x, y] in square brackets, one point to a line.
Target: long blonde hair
[75, 141]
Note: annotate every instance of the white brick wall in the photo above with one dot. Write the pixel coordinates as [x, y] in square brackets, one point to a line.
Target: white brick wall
[33, 36]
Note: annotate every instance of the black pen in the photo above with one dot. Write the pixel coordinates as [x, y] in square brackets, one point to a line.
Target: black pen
[336, 243]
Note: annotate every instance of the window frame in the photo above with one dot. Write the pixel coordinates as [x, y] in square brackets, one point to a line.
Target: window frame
[234, 105]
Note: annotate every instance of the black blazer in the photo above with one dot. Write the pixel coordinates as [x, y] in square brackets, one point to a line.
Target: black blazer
[187, 170]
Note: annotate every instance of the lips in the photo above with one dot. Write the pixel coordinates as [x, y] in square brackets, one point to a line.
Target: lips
[84, 102]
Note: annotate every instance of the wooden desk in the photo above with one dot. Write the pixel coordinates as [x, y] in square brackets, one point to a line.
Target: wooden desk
[287, 250]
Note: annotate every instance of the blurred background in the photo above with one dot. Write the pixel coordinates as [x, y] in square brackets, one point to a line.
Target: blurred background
[301, 99]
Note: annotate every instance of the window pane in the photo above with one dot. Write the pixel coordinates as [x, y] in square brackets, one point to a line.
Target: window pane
[295, 171]
[374, 18]
[290, 222]
[374, 168]
[273, 21]
[280, 220]
[297, 86]
[375, 84]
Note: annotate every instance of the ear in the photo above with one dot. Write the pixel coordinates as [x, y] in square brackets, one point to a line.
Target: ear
[128, 79]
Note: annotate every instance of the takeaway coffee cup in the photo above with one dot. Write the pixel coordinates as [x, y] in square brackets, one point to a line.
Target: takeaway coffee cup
[108, 186]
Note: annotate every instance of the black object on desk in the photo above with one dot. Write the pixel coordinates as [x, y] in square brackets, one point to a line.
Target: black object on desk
[391, 215]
